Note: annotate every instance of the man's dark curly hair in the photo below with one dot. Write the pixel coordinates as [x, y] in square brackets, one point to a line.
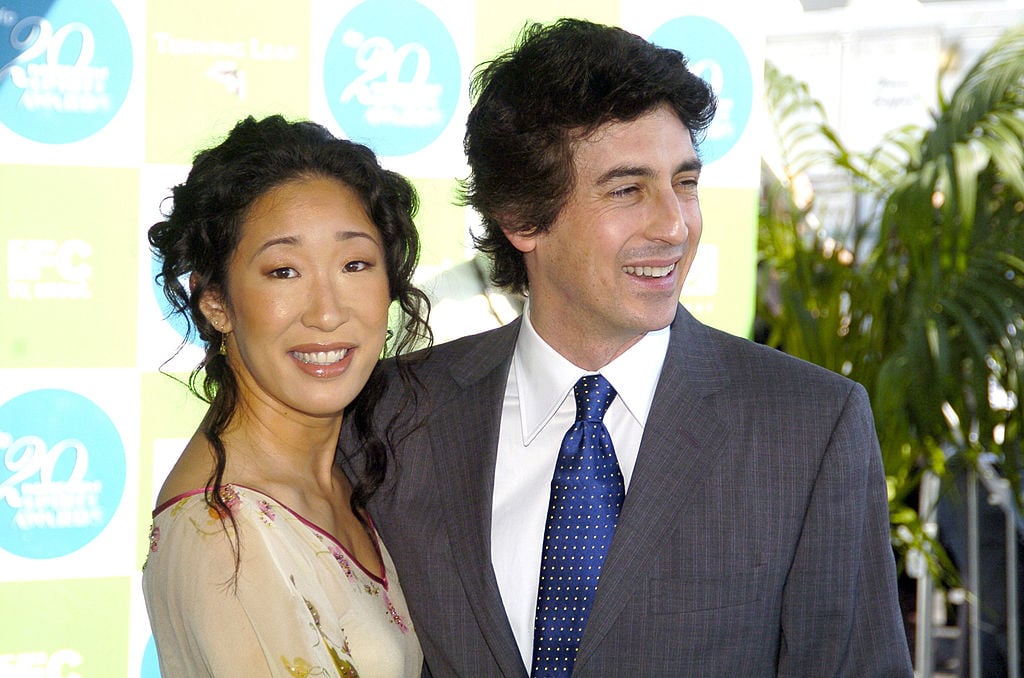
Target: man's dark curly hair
[557, 85]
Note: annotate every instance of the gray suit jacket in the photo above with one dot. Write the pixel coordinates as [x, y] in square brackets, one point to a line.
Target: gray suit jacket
[754, 538]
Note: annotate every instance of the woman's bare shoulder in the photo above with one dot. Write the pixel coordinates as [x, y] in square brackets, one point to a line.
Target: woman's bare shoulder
[191, 472]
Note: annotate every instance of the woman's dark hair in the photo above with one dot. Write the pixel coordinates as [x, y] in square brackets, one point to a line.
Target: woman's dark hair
[203, 228]
[556, 86]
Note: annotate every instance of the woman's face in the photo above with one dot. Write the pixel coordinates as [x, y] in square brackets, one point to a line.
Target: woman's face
[307, 298]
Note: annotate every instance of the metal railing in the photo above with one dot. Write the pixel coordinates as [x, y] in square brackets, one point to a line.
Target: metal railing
[984, 479]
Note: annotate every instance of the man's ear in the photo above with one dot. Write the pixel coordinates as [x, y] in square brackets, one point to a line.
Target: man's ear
[523, 240]
[215, 310]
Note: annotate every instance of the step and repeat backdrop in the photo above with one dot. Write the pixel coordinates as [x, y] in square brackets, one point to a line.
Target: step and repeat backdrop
[102, 105]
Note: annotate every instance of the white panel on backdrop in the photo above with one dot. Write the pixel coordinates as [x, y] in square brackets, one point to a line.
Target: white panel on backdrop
[165, 453]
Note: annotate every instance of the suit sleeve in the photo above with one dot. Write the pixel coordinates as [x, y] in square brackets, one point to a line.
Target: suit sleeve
[840, 614]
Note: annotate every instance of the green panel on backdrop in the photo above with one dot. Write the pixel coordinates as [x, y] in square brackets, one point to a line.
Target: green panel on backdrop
[441, 223]
[209, 64]
[169, 413]
[498, 24]
[723, 281]
[68, 266]
[64, 628]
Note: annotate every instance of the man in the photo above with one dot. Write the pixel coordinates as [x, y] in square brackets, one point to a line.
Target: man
[752, 539]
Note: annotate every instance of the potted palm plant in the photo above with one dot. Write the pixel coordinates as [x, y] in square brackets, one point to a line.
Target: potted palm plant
[917, 291]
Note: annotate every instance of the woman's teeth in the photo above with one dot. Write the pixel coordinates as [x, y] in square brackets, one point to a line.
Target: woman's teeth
[320, 357]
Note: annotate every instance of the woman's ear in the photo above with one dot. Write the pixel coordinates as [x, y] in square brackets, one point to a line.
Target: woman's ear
[215, 310]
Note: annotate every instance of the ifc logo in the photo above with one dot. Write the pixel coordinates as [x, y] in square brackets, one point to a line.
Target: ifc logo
[31, 262]
[62, 474]
[392, 76]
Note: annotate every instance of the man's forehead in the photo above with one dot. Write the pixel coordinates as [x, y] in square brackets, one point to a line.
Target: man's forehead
[638, 142]
[602, 130]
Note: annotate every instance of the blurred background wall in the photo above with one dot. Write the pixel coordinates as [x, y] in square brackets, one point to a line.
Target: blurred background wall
[102, 105]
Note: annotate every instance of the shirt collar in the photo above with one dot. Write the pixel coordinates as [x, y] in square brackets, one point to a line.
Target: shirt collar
[544, 378]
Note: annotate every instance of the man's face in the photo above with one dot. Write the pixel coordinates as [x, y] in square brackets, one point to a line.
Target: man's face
[612, 265]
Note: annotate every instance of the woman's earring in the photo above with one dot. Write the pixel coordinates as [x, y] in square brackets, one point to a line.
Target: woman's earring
[224, 344]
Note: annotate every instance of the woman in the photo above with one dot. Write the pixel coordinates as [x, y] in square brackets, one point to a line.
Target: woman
[263, 561]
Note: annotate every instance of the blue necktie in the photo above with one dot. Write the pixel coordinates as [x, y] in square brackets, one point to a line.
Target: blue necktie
[586, 496]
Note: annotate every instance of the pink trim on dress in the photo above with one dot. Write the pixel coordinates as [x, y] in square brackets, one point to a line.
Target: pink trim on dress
[381, 579]
[174, 500]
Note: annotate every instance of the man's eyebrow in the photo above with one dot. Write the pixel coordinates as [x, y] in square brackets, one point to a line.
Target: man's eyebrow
[622, 171]
[645, 172]
[690, 165]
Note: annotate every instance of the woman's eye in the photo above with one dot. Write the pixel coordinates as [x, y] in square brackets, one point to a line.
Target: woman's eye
[356, 266]
[283, 272]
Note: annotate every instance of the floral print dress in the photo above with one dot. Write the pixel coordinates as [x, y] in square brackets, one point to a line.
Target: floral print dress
[301, 605]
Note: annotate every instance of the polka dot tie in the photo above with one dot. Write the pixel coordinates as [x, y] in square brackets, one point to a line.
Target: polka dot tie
[586, 496]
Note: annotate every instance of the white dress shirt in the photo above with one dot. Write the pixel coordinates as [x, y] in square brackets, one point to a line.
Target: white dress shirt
[539, 408]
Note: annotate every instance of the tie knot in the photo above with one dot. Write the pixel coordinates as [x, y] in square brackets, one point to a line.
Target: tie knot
[593, 396]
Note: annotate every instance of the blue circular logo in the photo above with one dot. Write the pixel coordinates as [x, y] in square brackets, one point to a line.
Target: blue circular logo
[62, 473]
[150, 662]
[713, 53]
[170, 314]
[65, 68]
[392, 76]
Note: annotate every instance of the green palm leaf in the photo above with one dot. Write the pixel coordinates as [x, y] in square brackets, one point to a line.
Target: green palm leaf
[926, 307]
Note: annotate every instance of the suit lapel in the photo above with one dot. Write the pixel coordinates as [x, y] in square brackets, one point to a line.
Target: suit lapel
[681, 437]
[464, 435]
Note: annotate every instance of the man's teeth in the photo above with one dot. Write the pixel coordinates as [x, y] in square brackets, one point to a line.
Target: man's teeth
[649, 271]
[321, 357]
